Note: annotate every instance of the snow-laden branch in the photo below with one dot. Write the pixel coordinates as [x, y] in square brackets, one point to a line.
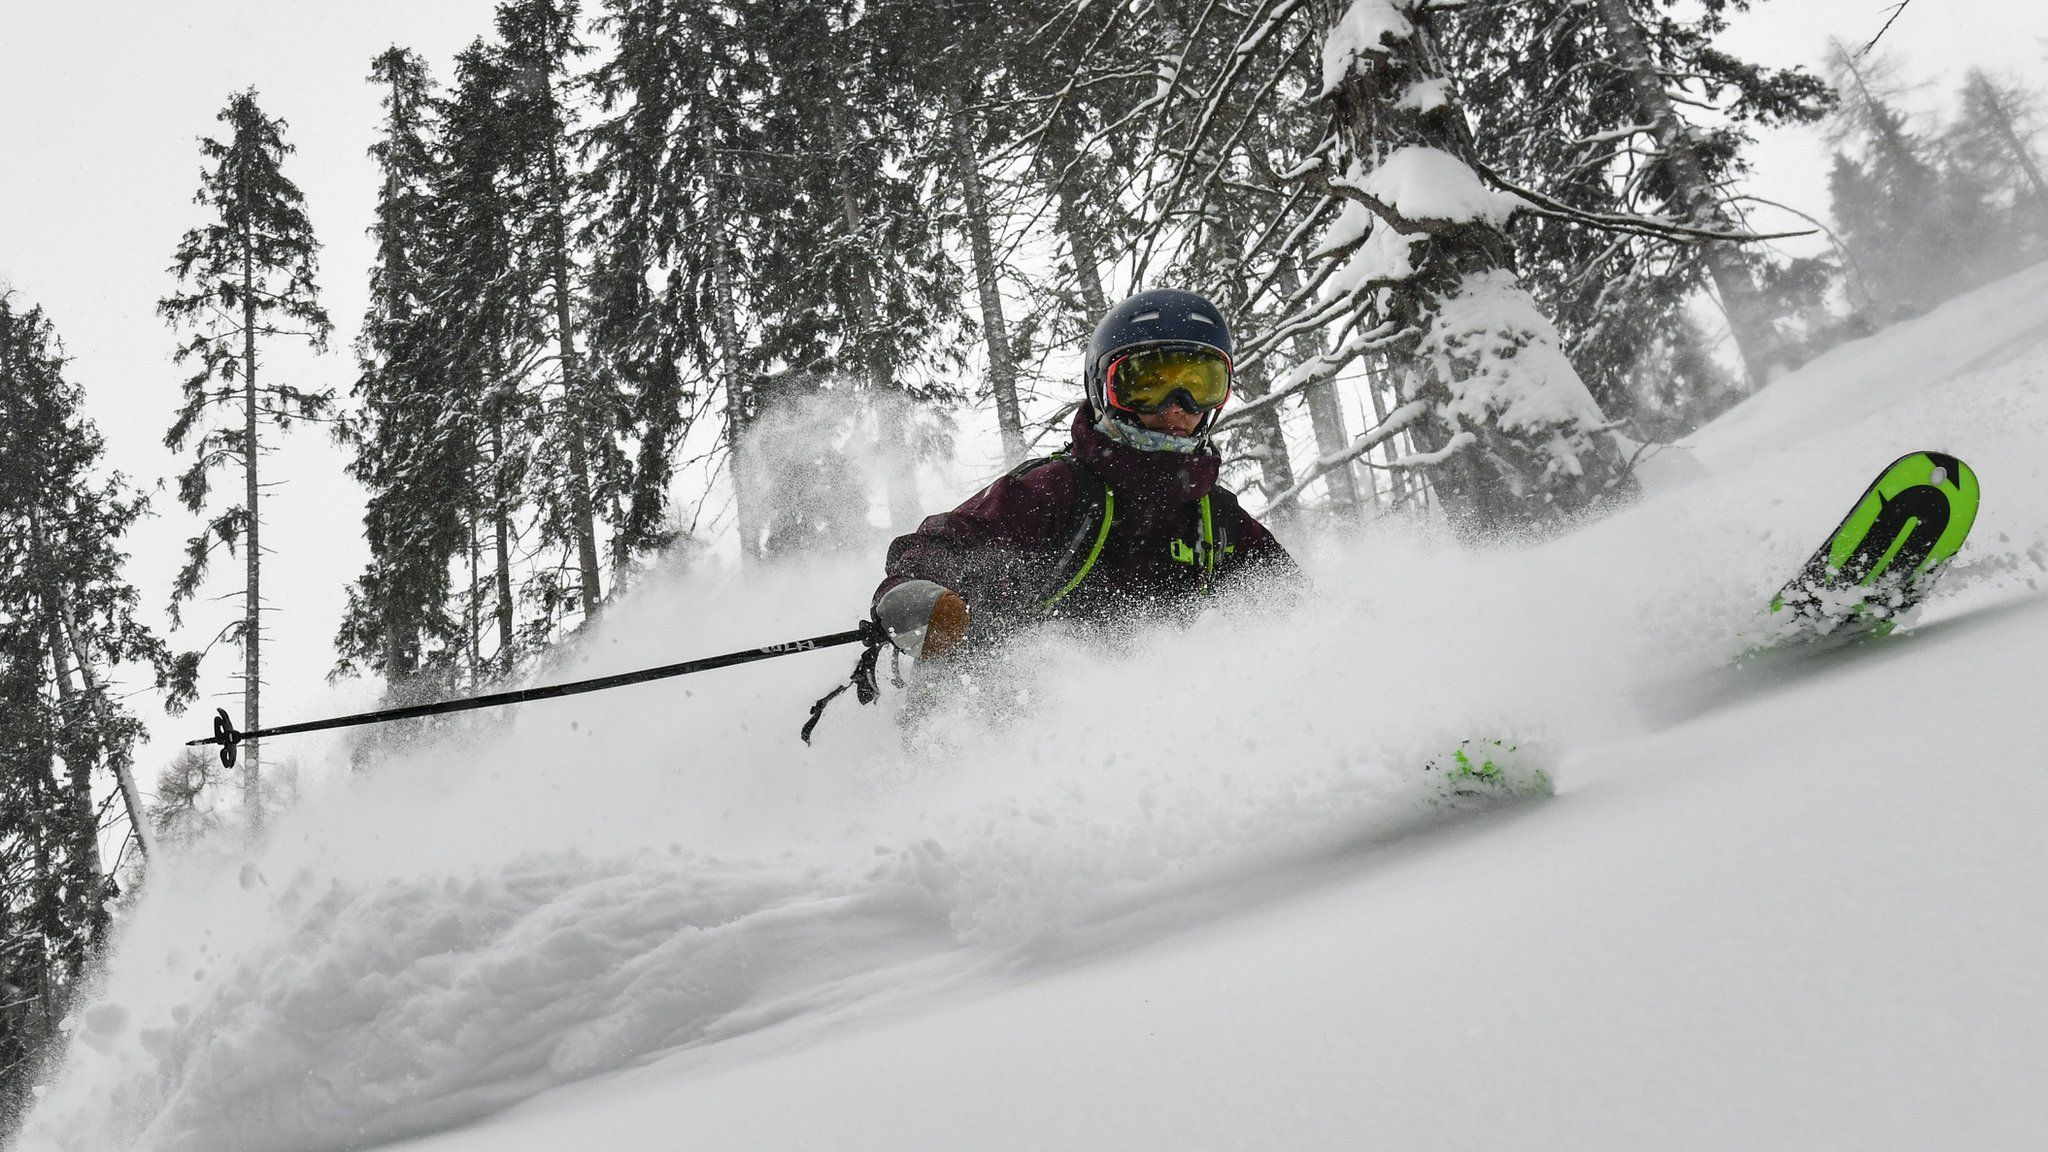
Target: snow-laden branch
[1364, 442]
[1317, 370]
[1615, 221]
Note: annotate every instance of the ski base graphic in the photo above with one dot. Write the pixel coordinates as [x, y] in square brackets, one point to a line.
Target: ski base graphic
[1885, 556]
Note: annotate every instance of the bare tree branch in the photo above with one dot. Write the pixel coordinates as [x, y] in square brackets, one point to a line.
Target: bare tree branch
[1896, 10]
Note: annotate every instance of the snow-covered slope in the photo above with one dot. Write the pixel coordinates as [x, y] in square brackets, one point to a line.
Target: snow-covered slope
[1195, 891]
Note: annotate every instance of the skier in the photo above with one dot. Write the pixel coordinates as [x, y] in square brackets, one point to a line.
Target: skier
[1127, 518]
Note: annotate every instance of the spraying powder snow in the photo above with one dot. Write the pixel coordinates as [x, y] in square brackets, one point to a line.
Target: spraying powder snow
[588, 882]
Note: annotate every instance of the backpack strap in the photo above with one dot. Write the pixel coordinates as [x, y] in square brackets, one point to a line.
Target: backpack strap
[1097, 512]
[1214, 517]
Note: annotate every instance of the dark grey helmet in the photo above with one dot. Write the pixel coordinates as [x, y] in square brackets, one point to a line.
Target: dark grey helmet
[1158, 318]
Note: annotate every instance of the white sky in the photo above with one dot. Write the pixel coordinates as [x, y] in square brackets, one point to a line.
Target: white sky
[1939, 40]
[105, 101]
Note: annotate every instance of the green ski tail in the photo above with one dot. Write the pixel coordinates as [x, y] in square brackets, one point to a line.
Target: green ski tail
[1886, 554]
[1487, 770]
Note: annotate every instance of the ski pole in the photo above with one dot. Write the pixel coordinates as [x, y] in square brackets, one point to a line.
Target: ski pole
[225, 735]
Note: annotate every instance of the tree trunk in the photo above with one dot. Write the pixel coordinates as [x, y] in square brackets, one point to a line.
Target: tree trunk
[1698, 201]
[1471, 339]
[1326, 417]
[725, 335]
[252, 605]
[472, 609]
[1002, 367]
[1262, 437]
[87, 886]
[574, 416]
[66, 641]
[124, 775]
[1073, 221]
[1325, 411]
[501, 521]
[898, 469]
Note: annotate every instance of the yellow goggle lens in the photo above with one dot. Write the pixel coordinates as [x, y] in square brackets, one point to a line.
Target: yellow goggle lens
[1147, 381]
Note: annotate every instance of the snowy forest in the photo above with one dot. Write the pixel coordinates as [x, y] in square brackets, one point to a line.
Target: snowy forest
[656, 282]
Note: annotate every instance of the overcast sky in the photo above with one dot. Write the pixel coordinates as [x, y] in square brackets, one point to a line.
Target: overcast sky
[103, 103]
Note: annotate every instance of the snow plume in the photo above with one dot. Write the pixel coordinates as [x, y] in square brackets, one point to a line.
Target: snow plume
[835, 468]
[666, 866]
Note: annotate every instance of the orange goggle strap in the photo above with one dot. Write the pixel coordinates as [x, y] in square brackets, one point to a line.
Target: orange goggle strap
[1109, 380]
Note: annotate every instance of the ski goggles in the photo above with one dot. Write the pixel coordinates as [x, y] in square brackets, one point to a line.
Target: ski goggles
[1148, 381]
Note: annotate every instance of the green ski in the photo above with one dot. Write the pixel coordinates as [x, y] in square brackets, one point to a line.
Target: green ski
[1888, 552]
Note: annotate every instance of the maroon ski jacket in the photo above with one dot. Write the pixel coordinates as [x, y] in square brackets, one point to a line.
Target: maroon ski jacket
[1016, 542]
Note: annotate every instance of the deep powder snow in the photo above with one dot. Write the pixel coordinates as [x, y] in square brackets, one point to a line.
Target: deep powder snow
[665, 869]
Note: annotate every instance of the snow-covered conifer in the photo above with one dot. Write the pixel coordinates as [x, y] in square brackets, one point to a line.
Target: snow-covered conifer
[855, 282]
[1505, 425]
[67, 620]
[669, 283]
[246, 278]
[1993, 139]
[579, 464]
[413, 454]
[1626, 114]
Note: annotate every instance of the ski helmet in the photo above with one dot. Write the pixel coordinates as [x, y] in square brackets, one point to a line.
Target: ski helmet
[1159, 318]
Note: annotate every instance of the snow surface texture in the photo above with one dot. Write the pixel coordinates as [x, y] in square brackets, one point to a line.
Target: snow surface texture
[1111, 902]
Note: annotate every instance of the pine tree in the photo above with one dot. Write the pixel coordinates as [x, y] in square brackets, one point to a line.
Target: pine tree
[1628, 112]
[1992, 139]
[1509, 433]
[67, 620]
[667, 283]
[490, 338]
[414, 454]
[976, 219]
[579, 465]
[1918, 226]
[856, 285]
[1683, 178]
[247, 278]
